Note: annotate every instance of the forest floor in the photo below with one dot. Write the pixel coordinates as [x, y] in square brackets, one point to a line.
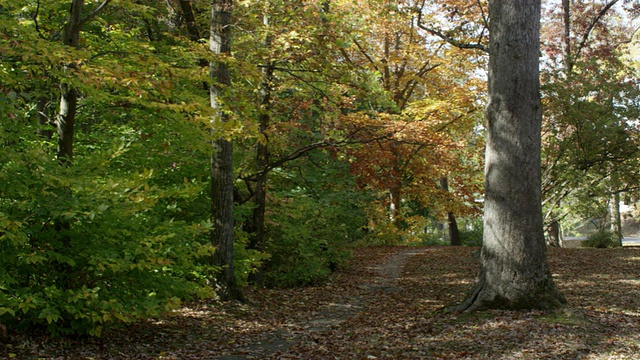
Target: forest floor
[387, 304]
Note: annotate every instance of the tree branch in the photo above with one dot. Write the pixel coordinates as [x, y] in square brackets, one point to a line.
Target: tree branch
[35, 20]
[95, 12]
[592, 25]
[366, 55]
[448, 39]
[306, 149]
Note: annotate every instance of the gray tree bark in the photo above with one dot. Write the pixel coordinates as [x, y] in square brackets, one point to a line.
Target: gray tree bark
[222, 156]
[514, 273]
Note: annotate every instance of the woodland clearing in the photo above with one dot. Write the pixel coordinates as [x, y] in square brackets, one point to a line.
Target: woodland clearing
[387, 304]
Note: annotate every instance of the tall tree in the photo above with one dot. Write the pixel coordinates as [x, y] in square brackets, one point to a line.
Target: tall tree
[514, 273]
[589, 95]
[65, 120]
[416, 107]
[222, 156]
[256, 225]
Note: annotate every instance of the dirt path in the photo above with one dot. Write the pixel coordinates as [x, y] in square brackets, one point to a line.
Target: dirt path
[384, 279]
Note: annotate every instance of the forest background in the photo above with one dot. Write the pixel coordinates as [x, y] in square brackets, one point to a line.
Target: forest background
[352, 123]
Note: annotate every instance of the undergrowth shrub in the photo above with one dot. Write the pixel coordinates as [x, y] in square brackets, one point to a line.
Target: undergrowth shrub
[471, 237]
[80, 254]
[308, 238]
[246, 261]
[602, 240]
[307, 244]
[87, 247]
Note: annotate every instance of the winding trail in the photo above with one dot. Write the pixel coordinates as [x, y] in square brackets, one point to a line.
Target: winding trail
[332, 314]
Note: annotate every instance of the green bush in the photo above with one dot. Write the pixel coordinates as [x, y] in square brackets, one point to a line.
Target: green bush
[82, 254]
[246, 261]
[92, 246]
[308, 242]
[472, 237]
[602, 240]
[308, 237]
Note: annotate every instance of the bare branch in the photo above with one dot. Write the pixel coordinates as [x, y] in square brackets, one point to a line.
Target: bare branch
[592, 25]
[95, 12]
[366, 55]
[35, 20]
[448, 39]
[297, 153]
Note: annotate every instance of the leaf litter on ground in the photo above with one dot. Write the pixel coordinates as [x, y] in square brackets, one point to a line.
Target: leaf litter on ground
[387, 304]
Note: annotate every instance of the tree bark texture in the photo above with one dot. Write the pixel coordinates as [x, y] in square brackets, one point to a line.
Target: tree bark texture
[395, 204]
[514, 273]
[44, 125]
[222, 152]
[566, 36]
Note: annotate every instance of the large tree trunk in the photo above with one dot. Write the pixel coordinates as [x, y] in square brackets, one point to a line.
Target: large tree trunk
[514, 273]
[222, 156]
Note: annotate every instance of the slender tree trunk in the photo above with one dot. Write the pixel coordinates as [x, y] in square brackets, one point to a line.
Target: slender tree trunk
[66, 117]
[44, 124]
[256, 226]
[514, 273]
[222, 155]
[190, 20]
[454, 233]
[65, 123]
[553, 233]
[566, 36]
[395, 196]
[262, 150]
[616, 219]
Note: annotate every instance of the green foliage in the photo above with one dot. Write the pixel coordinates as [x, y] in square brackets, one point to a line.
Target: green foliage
[121, 234]
[590, 147]
[602, 240]
[312, 226]
[386, 234]
[307, 241]
[430, 239]
[472, 236]
[82, 252]
[246, 261]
